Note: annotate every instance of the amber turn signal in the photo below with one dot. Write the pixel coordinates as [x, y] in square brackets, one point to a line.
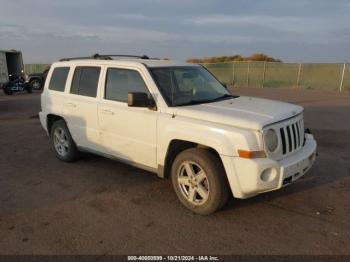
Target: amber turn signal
[251, 154]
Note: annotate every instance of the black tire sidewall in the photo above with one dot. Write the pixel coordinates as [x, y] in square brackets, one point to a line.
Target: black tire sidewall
[218, 189]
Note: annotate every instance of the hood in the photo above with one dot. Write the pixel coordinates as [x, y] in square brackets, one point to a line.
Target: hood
[244, 112]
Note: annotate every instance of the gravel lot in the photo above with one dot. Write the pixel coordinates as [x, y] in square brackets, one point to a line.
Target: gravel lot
[99, 206]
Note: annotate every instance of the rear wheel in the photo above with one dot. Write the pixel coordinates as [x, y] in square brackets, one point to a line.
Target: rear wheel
[199, 181]
[62, 142]
[35, 84]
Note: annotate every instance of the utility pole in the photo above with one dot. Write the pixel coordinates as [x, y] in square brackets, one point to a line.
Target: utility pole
[248, 71]
[299, 73]
[233, 73]
[342, 78]
[264, 73]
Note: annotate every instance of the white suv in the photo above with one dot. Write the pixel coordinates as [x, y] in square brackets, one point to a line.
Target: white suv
[176, 120]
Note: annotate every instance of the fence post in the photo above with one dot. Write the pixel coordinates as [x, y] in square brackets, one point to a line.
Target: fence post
[248, 71]
[233, 73]
[298, 77]
[342, 78]
[263, 79]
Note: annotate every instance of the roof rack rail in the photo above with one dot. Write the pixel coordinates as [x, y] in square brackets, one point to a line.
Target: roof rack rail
[103, 57]
[133, 56]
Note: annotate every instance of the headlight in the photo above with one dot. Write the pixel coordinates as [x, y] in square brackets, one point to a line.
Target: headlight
[271, 140]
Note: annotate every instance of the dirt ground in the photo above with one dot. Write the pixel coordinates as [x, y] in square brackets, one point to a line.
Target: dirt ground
[99, 206]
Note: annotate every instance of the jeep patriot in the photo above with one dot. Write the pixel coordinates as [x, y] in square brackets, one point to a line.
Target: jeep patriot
[176, 120]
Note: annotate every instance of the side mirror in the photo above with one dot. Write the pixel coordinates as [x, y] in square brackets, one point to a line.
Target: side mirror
[138, 99]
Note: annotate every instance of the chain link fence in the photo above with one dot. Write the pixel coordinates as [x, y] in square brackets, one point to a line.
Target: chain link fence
[283, 75]
[35, 68]
[270, 74]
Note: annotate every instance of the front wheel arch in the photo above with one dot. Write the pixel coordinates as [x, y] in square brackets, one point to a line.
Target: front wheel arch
[176, 146]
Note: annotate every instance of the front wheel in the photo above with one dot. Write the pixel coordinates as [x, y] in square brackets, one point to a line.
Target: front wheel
[199, 181]
[7, 90]
[29, 89]
[62, 142]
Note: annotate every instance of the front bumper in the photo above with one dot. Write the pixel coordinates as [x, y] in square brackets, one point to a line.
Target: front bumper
[245, 175]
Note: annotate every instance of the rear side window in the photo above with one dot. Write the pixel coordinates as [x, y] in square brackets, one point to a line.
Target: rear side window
[120, 82]
[59, 78]
[85, 81]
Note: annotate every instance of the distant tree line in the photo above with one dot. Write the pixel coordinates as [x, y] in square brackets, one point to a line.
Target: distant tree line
[221, 59]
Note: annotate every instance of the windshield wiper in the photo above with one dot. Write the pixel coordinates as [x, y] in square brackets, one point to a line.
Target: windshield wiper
[223, 97]
[196, 102]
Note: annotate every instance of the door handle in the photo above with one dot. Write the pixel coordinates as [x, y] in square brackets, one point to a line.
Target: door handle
[71, 105]
[107, 112]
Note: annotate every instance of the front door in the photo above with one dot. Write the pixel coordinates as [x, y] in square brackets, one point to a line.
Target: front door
[127, 132]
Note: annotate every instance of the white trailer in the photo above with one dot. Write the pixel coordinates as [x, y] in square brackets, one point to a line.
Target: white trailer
[11, 63]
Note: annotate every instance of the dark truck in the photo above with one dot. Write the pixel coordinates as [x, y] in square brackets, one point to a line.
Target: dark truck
[37, 80]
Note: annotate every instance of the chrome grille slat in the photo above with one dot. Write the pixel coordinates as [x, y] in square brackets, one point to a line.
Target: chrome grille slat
[300, 135]
[287, 139]
[302, 131]
[291, 136]
[298, 132]
[294, 137]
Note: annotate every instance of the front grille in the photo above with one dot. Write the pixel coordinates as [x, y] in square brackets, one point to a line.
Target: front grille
[292, 136]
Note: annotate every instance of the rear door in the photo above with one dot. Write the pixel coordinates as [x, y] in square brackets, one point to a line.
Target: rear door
[81, 107]
[127, 132]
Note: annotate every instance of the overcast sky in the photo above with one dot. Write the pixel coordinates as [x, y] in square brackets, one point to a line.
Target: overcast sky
[292, 30]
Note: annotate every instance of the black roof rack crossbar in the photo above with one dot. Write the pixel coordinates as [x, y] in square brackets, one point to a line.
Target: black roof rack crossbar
[134, 56]
[75, 58]
[103, 57]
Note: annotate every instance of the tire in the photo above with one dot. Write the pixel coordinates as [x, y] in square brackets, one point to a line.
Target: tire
[62, 142]
[208, 189]
[35, 84]
[29, 89]
[7, 90]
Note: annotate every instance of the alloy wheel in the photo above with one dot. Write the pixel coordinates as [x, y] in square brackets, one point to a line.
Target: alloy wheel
[193, 182]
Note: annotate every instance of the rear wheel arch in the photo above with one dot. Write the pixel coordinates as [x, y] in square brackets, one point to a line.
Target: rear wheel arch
[51, 119]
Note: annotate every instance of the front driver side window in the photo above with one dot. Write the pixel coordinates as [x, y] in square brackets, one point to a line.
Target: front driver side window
[119, 82]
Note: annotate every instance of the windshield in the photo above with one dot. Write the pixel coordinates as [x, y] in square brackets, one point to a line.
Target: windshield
[188, 85]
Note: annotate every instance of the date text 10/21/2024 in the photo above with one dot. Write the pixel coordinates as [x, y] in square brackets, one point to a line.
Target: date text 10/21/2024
[173, 258]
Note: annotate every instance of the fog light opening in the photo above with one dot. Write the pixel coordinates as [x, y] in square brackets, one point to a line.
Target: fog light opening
[268, 175]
